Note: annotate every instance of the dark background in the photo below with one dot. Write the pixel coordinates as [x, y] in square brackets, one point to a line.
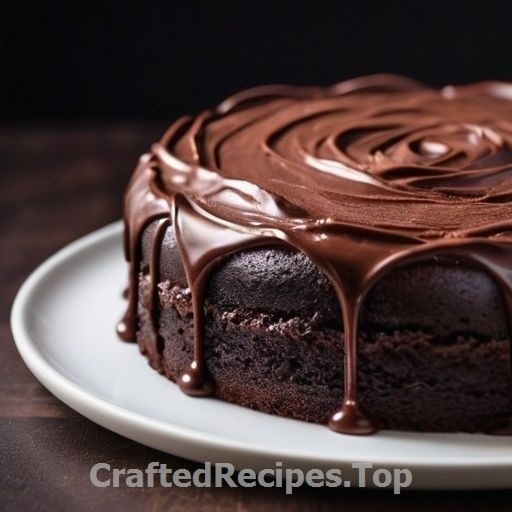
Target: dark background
[61, 61]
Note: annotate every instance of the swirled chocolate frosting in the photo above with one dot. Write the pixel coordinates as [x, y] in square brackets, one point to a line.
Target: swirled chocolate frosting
[362, 177]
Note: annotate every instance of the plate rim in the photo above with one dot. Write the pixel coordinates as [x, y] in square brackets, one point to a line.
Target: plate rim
[82, 400]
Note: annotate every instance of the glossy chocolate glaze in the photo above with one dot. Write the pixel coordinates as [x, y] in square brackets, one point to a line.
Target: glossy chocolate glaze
[363, 177]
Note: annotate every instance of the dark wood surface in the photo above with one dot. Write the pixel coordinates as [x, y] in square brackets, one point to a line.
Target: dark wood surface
[58, 183]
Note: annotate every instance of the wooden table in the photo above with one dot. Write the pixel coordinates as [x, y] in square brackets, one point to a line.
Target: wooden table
[58, 183]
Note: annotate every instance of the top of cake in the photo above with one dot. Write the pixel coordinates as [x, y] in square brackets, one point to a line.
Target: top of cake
[362, 177]
[345, 152]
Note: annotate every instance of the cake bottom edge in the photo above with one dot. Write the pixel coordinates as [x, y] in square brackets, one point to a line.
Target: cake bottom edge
[407, 379]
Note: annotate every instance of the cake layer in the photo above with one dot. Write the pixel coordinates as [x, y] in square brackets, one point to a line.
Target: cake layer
[433, 349]
[294, 367]
[442, 298]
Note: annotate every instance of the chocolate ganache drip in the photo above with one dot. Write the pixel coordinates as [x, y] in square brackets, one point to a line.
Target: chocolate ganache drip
[362, 177]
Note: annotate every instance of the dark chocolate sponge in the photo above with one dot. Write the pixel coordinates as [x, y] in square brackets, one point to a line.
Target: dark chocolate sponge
[433, 350]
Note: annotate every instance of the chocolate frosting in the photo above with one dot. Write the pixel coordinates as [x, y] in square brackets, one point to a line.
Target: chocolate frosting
[362, 177]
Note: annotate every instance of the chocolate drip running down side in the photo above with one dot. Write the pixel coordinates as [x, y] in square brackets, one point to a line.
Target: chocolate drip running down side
[362, 177]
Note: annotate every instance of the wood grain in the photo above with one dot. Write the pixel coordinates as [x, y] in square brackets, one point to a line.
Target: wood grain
[58, 183]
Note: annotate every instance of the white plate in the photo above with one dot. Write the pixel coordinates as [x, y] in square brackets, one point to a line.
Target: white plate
[63, 321]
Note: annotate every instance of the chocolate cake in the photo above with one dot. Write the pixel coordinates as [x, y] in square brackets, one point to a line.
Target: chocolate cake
[340, 255]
